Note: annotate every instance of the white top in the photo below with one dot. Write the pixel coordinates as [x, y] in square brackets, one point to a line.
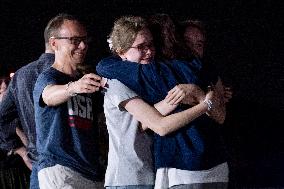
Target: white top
[129, 158]
[168, 177]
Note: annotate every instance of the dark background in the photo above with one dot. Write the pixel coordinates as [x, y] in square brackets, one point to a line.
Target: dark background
[245, 40]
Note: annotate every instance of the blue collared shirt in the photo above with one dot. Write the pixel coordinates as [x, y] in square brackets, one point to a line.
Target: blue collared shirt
[18, 104]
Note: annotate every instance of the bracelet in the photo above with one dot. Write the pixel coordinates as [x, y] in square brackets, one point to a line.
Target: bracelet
[67, 87]
[209, 103]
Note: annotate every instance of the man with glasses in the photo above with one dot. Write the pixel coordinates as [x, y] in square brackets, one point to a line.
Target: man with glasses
[65, 109]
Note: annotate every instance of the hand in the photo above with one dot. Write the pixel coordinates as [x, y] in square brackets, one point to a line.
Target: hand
[24, 155]
[218, 111]
[89, 83]
[193, 93]
[210, 96]
[175, 95]
[215, 98]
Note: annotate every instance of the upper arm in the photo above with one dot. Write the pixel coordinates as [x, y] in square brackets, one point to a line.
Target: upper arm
[46, 93]
[42, 87]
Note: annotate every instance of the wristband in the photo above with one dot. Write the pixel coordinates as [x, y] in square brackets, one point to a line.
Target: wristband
[209, 104]
[67, 87]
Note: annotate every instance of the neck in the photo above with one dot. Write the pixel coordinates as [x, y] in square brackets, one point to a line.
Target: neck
[49, 51]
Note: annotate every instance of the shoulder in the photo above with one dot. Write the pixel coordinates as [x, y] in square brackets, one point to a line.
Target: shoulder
[114, 83]
[117, 85]
[118, 92]
[48, 76]
[43, 62]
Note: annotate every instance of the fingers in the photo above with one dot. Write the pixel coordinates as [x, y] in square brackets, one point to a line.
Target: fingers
[171, 92]
[175, 96]
[89, 83]
[92, 76]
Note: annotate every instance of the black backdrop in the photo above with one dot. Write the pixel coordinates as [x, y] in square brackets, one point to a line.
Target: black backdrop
[245, 40]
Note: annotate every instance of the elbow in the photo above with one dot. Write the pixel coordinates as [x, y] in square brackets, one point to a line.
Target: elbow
[160, 127]
[47, 101]
[161, 131]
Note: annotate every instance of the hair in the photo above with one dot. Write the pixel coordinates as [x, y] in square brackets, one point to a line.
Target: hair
[168, 43]
[54, 25]
[124, 32]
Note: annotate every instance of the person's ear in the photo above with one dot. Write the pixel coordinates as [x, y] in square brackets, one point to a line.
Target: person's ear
[53, 43]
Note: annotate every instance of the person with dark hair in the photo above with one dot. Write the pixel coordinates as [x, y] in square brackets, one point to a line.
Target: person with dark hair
[18, 105]
[13, 172]
[212, 175]
[66, 107]
[168, 44]
[194, 35]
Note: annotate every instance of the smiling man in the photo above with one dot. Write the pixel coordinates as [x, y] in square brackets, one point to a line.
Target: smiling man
[65, 112]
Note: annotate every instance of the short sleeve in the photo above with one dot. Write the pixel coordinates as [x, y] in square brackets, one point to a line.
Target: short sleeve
[43, 80]
[118, 92]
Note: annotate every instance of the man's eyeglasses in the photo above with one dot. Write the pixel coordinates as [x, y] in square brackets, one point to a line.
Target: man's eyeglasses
[75, 40]
[144, 47]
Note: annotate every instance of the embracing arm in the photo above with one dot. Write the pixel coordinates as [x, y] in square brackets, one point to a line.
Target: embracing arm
[194, 95]
[155, 121]
[218, 112]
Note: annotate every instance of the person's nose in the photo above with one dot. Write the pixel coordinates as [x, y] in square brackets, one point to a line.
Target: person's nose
[83, 44]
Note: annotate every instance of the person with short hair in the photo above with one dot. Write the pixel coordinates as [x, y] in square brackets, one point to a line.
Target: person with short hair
[66, 106]
[130, 163]
[18, 105]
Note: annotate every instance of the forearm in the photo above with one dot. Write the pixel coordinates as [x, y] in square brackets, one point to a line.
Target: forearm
[54, 95]
[175, 121]
[160, 124]
[164, 108]
[22, 136]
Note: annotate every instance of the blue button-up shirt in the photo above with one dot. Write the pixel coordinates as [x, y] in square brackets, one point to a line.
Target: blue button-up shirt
[18, 105]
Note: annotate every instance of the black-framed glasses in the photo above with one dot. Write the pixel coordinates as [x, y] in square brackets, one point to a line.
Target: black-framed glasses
[76, 40]
[144, 47]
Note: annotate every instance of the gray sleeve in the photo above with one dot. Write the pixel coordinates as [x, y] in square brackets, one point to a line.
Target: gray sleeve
[118, 92]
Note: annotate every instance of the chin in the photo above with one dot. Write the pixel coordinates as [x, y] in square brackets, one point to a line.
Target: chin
[145, 62]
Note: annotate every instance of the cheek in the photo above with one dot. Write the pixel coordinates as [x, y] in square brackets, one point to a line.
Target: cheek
[133, 56]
